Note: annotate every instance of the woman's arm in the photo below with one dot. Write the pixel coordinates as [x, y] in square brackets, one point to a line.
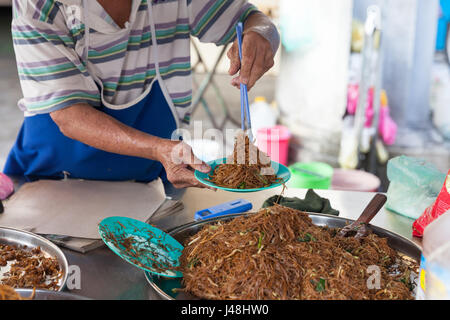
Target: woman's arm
[84, 123]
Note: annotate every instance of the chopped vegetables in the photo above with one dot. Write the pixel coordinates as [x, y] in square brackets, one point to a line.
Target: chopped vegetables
[319, 284]
[307, 238]
[261, 236]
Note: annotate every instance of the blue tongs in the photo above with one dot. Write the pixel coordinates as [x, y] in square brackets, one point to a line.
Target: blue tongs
[245, 111]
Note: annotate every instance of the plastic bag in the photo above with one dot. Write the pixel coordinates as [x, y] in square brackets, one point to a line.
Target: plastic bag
[440, 206]
[414, 185]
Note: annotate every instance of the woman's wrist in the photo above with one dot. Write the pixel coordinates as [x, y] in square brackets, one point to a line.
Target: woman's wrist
[162, 148]
[261, 24]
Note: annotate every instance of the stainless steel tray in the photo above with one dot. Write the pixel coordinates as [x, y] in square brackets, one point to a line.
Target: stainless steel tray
[163, 286]
[49, 295]
[13, 236]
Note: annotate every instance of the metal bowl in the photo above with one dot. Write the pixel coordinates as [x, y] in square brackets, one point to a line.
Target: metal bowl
[49, 295]
[18, 237]
[164, 286]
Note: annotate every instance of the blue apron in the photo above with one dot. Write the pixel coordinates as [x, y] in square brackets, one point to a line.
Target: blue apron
[43, 152]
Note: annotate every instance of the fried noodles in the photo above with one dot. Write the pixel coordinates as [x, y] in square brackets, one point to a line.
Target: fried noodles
[278, 253]
[29, 268]
[8, 293]
[247, 168]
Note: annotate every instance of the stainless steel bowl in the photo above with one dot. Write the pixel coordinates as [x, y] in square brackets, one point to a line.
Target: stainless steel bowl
[164, 286]
[18, 237]
[49, 295]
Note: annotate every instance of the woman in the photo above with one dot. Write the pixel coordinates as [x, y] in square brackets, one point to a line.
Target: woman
[106, 82]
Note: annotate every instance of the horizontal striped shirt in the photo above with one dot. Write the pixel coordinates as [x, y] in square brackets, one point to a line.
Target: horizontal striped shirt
[50, 45]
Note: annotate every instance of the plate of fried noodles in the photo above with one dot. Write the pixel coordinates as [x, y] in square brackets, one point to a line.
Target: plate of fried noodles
[248, 169]
[279, 253]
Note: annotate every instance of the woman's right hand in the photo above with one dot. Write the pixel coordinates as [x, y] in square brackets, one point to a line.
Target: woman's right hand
[180, 162]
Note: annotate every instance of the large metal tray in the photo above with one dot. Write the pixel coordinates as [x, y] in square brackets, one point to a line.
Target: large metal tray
[164, 286]
[49, 295]
[13, 236]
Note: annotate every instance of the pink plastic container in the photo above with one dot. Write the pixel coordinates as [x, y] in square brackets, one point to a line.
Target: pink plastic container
[354, 180]
[275, 142]
[6, 186]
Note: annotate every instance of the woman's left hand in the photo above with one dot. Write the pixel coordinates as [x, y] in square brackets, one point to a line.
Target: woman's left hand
[257, 59]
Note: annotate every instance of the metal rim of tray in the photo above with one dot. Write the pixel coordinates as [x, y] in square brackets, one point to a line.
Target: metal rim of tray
[396, 241]
[32, 240]
[49, 295]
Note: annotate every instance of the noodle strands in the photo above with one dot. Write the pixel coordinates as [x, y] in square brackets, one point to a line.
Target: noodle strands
[246, 168]
[278, 253]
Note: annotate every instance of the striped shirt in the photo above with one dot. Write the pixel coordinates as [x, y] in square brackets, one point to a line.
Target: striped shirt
[50, 45]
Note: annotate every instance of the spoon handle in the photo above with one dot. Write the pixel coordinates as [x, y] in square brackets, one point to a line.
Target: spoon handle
[245, 110]
[372, 208]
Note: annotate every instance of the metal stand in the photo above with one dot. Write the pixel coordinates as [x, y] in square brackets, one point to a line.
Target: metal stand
[201, 90]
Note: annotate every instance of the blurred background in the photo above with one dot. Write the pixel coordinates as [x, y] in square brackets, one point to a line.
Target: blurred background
[355, 83]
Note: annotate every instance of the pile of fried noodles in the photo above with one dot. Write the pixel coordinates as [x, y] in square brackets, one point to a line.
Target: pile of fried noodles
[29, 268]
[278, 253]
[8, 293]
[247, 168]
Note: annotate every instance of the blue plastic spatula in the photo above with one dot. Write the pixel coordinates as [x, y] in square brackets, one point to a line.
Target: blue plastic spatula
[142, 245]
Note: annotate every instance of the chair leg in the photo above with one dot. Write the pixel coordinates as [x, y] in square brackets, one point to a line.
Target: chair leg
[207, 81]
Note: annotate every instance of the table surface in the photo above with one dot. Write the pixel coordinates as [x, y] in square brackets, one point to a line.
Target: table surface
[106, 276]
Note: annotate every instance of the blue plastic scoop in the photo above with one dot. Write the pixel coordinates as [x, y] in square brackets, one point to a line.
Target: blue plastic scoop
[142, 245]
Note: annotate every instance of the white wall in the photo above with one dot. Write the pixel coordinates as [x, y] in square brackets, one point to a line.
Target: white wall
[312, 86]
[312, 83]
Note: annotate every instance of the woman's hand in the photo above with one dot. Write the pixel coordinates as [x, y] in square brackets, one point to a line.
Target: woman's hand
[257, 59]
[179, 161]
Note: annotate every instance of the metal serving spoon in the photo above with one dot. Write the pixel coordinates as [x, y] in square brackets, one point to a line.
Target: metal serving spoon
[360, 225]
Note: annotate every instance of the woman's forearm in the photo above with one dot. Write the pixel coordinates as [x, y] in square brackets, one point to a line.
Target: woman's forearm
[84, 123]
